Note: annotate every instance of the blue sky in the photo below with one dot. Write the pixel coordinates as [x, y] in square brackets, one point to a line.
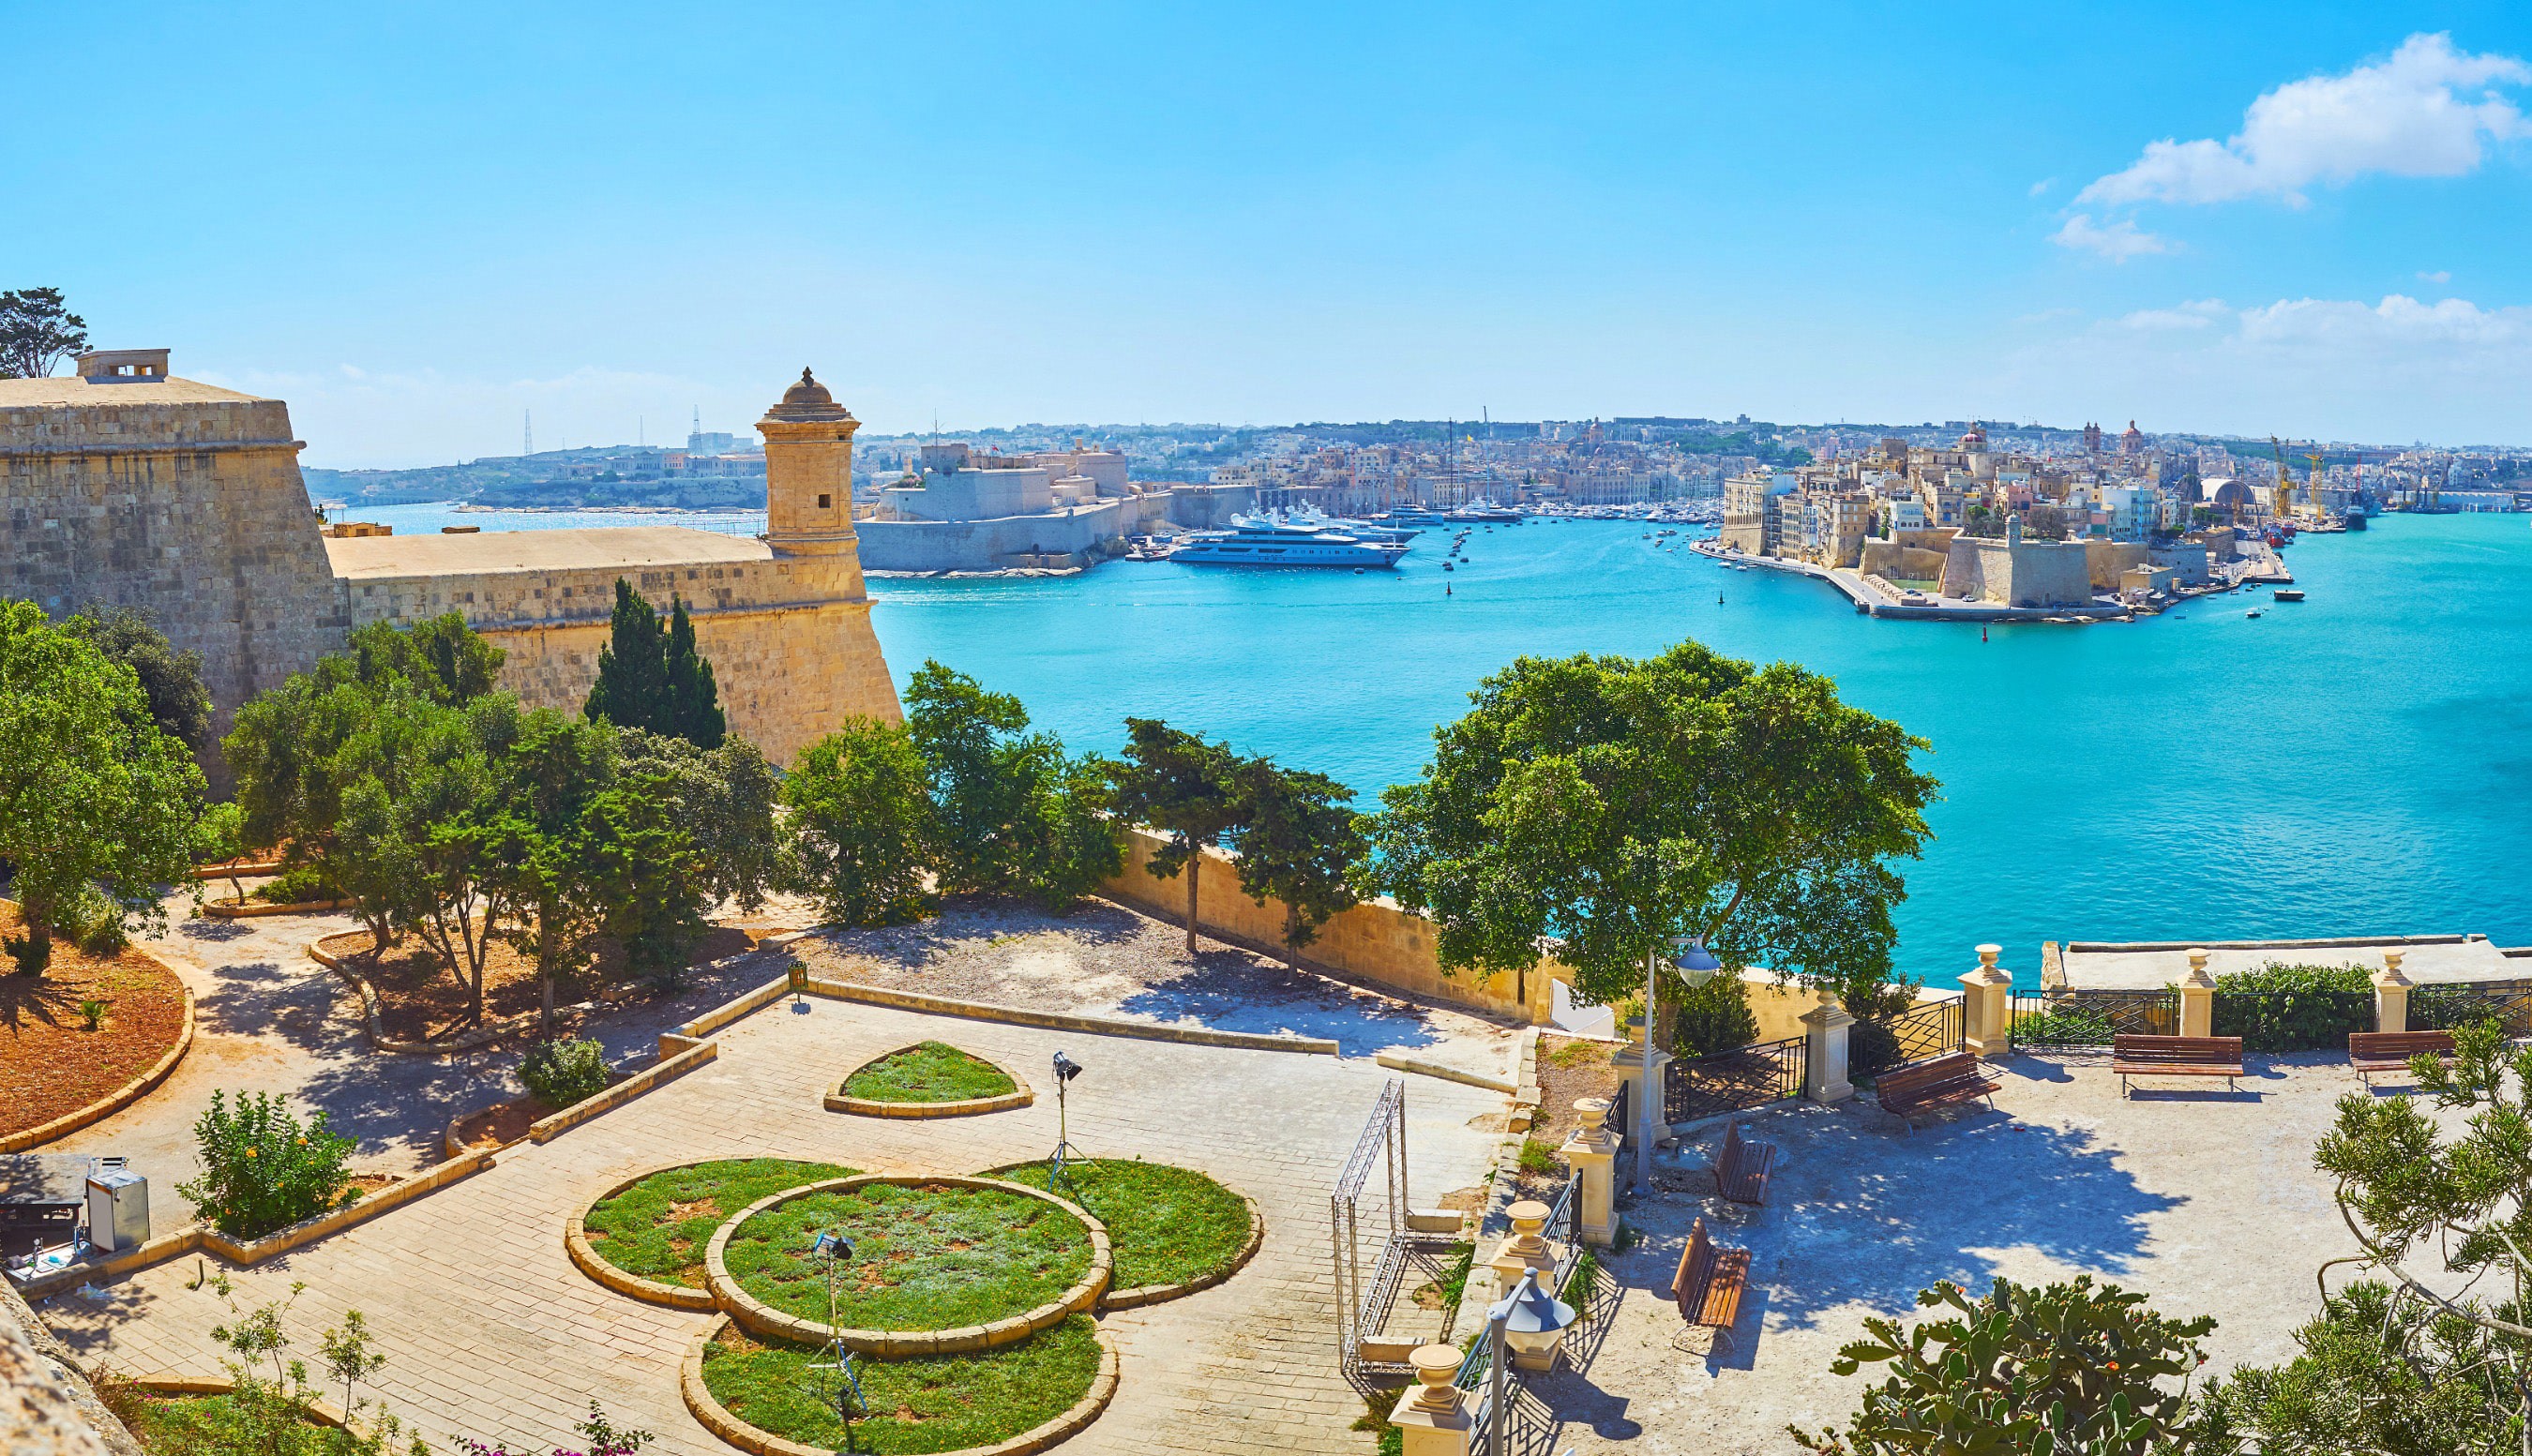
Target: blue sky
[415, 224]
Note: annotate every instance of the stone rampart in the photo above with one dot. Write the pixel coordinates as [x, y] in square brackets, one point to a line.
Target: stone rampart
[1079, 536]
[1376, 942]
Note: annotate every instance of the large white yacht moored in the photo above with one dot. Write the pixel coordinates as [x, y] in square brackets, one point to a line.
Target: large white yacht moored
[1255, 542]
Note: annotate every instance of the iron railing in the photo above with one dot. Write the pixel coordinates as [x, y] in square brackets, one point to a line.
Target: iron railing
[1760, 1073]
[2445, 1007]
[1926, 1029]
[2061, 1019]
[1564, 1233]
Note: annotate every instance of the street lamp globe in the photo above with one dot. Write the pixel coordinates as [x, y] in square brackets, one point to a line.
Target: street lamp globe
[1533, 1323]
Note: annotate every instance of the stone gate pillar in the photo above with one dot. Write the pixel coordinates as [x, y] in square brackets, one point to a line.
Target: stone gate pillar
[1986, 1010]
[2391, 994]
[2197, 999]
[1826, 1055]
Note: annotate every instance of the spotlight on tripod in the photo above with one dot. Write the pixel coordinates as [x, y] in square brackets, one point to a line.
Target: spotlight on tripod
[833, 1381]
[1066, 1069]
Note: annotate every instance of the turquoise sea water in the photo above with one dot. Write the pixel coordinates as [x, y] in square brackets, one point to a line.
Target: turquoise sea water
[2358, 764]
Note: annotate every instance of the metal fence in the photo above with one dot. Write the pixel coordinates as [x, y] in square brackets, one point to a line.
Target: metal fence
[1926, 1029]
[2442, 1008]
[1363, 1297]
[2072, 1018]
[1760, 1073]
[1564, 1233]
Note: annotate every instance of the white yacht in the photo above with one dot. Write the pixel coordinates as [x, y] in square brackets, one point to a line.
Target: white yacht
[1256, 542]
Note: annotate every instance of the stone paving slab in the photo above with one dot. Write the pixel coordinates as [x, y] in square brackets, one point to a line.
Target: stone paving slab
[492, 1333]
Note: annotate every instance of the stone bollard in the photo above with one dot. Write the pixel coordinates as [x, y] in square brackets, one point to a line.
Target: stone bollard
[1986, 1008]
[1436, 1421]
[2391, 994]
[1526, 1249]
[1591, 1150]
[1828, 1023]
[2197, 999]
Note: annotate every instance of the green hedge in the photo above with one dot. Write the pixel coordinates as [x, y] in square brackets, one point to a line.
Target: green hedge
[2283, 1007]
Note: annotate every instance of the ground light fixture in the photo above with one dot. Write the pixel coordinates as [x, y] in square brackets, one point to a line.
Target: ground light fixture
[833, 1383]
[1533, 1323]
[1066, 1069]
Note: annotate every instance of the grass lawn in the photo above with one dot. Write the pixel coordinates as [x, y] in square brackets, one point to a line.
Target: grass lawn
[927, 1257]
[658, 1228]
[1165, 1225]
[931, 1072]
[938, 1403]
[202, 1424]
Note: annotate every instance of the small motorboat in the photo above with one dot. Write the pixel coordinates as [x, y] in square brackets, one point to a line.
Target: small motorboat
[2253, 612]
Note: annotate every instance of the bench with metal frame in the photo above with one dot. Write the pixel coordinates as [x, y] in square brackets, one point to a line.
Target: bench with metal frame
[2175, 1056]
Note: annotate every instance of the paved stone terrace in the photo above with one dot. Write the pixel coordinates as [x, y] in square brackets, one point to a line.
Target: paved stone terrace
[492, 1333]
[2205, 1202]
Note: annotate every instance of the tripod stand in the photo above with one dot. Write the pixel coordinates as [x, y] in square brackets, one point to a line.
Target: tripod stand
[1066, 1069]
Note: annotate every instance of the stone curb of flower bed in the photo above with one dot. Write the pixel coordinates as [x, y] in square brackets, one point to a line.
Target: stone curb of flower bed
[575, 1241]
[718, 1419]
[762, 1319]
[1018, 1097]
[1153, 1294]
[124, 1096]
[233, 910]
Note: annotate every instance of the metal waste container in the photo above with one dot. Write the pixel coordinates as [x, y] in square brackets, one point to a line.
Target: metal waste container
[118, 1211]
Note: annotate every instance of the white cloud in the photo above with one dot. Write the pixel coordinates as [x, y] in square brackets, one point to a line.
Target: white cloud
[2043, 184]
[2440, 275]
[2428, 111]
[2118, 240]
[2196, 314]
[2451, 331]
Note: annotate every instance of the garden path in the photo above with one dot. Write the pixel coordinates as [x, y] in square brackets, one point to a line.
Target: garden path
[490, 1333]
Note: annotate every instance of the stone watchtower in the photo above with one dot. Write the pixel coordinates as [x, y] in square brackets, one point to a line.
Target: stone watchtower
[808, 472]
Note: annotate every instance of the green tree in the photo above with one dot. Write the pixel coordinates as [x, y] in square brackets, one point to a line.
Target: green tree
[1301, 843]
[1615, 804]
[441, 658]
[2409, 1363]
[724, 797]
[219, 838]
[654, 882]
[631, 690]
[543, 784]
[862, 825]
[2072, 1370]
[417, 829]
[1014, 813]
[36, 333]
[694, 698]
[95, 799]
[262, 1168]
[171, 680]
[1187, 787]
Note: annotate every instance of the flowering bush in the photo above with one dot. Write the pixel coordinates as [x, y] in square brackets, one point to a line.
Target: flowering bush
[263, 1169]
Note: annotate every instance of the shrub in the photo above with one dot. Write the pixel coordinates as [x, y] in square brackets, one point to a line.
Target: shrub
[297, 885]
[2293, 1008]
[2071, 1369]
[2071, 1026]
[91, 1014]
[565, 1070]
[262, 1168]
[1714, 1018]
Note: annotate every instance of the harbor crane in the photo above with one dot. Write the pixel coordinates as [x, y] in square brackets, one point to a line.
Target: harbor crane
[2282, 505]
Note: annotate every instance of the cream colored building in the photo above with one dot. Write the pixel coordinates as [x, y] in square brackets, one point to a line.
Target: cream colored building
[129, 487]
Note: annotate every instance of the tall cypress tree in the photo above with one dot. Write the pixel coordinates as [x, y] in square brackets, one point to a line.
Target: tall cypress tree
[694, 699]
[632, 687]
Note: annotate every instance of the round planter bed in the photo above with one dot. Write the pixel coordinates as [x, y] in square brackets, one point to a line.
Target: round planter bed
[960, 1405]
[657, 1221]
[1174, 1230]
[941, 1266]
[929, 1079]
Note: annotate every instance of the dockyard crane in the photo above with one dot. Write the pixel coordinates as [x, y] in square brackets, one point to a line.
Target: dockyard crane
[2283, 504]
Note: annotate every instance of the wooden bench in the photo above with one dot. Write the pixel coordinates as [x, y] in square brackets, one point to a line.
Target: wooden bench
[1911, 1087]
[1709, 1280]
[2390, 1051]
[1741, 1173]
[2175, 1056]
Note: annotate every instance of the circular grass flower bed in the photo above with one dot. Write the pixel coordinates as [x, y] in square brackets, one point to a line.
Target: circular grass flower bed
[1165, 1225]
[925, 1256]
[656, 1228]
[929, 1072]
[920, 1404]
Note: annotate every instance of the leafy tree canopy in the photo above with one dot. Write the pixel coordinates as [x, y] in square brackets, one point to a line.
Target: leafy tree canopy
[94, 797]
[651, 677]
[1300, 843]
[36, 333]
[1012, 813]
[1185, 786]
[171, 680]
[1614, 805]
[862, 825]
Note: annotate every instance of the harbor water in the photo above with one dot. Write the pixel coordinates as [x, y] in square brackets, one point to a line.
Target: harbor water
[2357, 764]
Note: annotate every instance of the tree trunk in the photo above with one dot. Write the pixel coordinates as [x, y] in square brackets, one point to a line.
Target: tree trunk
[1195, 862]
[1663, 1026]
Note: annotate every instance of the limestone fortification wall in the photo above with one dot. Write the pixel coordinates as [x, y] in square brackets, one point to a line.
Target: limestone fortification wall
[1896, 562]
[789, 637]
[1375, 943]
[2023, 574]
[1081, 537]
[177, 498]
[2105, 562]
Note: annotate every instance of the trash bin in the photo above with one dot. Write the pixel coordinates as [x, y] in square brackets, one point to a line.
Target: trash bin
[118, 1211]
